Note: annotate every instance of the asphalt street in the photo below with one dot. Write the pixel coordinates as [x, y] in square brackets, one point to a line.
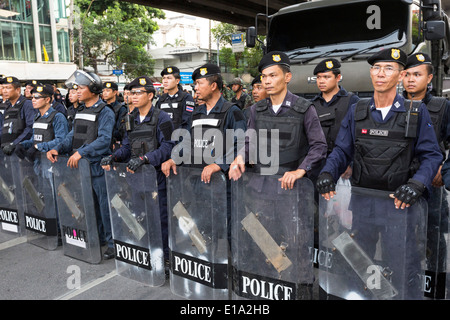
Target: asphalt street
[29, 272]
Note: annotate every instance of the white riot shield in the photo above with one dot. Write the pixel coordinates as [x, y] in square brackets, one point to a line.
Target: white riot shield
[136, 225]
[375, 252]
[75, 201]
[11, 208]
[39, 202]
[198, 235]
[272, 233]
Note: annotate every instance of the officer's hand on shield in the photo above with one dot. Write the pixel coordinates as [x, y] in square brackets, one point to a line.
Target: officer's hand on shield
[135, 163]
[106, 162]
[325, 185]
[289, 178]
[408, 194]
[73, 160]
[52, 155]
[208, 171]
[167, 165]
[20, 151]
[9, 149]
[237, 168]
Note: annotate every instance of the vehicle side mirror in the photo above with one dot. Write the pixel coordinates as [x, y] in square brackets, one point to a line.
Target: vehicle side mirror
[250, 39]
[434, 30]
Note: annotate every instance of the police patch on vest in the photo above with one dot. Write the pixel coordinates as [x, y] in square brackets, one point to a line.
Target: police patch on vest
[377, 132]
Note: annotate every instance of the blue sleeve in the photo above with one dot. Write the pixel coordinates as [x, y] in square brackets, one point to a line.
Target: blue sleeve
[163, 152]
[28, 113]
[117, 132]
[445, 171]
[342, 154]
[100, 146]
[426, 149]
[61, 108]
[61, 129]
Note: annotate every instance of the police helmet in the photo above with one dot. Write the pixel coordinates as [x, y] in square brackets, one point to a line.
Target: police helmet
[83, 78]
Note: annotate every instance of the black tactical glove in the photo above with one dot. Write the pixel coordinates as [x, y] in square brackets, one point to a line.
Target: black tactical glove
[325, 183]
[20, 151]
[107, 161]
[31, 154]
[409, 193]
[9, 149]
[136, 162]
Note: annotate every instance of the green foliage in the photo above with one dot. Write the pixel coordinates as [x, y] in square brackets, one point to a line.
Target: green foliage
[117, 32]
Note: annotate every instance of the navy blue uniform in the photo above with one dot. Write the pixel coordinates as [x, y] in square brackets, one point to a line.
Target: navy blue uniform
[426, 148]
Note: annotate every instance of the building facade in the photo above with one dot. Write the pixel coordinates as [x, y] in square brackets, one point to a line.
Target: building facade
[34, 40]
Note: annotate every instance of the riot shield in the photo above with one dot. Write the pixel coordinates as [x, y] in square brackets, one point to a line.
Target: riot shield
[198, 235]
[374, 251]
[136, 225]
[39, 202]
[436, 256]
[76, 208]
[272, 233]
[11, 208]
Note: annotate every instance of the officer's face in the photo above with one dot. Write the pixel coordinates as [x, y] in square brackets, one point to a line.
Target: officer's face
[275, 80]
[27, 91]
[169, 82]
[108, 94]
[84, 94]
[39, 101]
[141, 97]
[11, 93]
[127, 97]
[204, 89]
[235, 87]
[258, 92]
[73, 95]
[384, 80]
[327, 81]
[416, 79]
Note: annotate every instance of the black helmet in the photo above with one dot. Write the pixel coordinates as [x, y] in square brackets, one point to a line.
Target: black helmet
[83, 78]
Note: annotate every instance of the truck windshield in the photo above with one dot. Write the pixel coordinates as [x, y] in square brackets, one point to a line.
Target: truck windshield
[345, 27]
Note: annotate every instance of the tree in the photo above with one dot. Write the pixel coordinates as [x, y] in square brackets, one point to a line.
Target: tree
[239, 62]
[117, 32]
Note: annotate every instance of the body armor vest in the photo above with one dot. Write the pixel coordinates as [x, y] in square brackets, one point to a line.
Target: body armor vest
[436, 109]
[383, 156]
[143, 138]
[43, 128]
[173, 106]
[13, 124]
[331, 117]
[200, 124]
[85, 125]
[293, 144]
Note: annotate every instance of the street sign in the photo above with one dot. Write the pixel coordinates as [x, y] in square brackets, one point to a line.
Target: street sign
[117, 72]
[186, 77]
[237, 42]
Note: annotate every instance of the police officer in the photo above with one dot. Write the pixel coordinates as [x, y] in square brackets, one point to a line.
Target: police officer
[57, 102]
[362, 138]
[91, 138]
[148, 142]
[333, 101]
[417, 80]
[109, 95]
[72, 105]
[258, 91]
[208, 81]
[307, 141]
[18, 116]
[176, 102]
[49, 127]
[241, 99]
[28, 87]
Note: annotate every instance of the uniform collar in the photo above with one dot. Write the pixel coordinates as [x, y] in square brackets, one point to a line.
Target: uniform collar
[49, 111]
[397, 104]
[288, 101]
[216, 109]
